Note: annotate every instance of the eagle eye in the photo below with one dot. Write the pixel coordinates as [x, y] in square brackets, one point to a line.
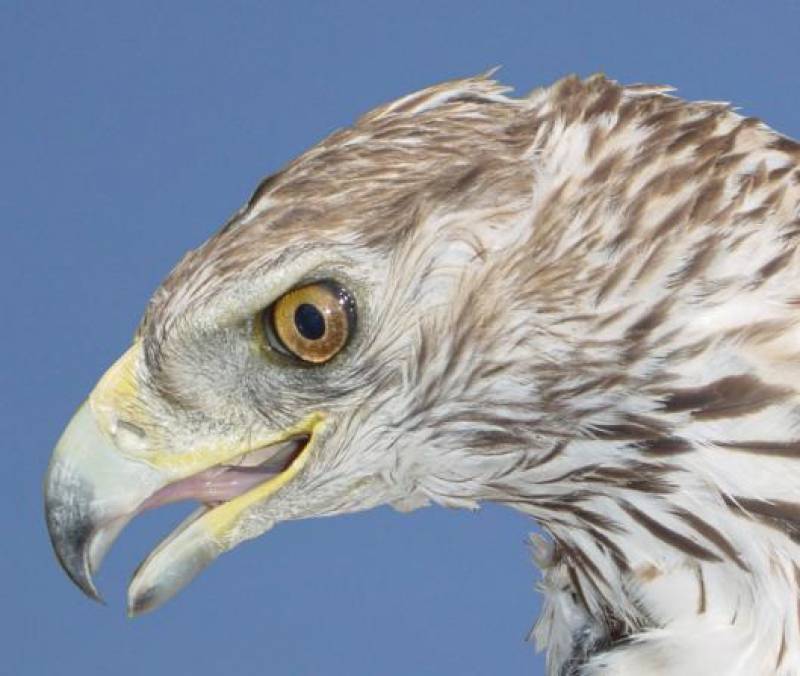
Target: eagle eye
[312, 323]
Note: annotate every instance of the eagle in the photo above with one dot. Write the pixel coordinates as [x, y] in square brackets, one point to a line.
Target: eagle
[582, 303]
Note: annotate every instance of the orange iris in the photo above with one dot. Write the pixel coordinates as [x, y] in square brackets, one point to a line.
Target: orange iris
[312, 322]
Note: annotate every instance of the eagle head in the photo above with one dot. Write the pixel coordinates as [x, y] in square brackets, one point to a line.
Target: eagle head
[337, 345]
[580, 303]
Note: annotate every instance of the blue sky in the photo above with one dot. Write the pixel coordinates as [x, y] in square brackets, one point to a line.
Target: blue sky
[130, 131]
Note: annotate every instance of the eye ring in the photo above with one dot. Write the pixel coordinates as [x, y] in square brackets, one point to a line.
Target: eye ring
[311, 323]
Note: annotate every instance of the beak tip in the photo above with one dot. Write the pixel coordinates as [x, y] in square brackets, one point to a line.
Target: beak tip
[85, 583]
[142, 601]
[78, 570]
[70, 540]
[87, 586]
[87, 498]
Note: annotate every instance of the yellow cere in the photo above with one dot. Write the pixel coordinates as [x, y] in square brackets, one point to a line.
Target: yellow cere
[117, 395]
[118, 391]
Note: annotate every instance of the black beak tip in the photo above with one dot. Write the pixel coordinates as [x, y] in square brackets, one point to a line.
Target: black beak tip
[71, 540]
[82, 578]
[143, 603]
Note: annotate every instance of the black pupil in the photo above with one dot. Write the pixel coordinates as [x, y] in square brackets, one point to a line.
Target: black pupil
[309, 322]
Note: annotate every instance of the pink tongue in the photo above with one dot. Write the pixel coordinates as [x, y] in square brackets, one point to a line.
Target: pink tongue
[218, 484]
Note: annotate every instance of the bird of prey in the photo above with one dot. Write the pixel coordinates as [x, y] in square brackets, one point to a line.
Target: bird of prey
[583, 303]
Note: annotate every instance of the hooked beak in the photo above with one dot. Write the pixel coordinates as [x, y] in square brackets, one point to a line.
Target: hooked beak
[93, 488]
[91, 492]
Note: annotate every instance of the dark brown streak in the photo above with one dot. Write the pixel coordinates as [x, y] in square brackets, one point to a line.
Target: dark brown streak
[701, 583]
[771, 267]
[787, 145]
[727, 397]
[706, 201]
[711, 534]
[596, 520]
[591, 570]
[638, 476]
[617, 555]
[669, 536]
[636, 430]
[576, 585]
[781, 650]
[696, 265]
[652, 319]
[577, 473]
[797, 590]
[664, 446]
[607, 102]
[776, 449]
[262, 189]
[781, 515]
[557, 449]
[693, 132]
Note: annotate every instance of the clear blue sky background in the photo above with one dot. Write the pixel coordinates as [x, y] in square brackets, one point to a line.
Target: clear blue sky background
[129, 132]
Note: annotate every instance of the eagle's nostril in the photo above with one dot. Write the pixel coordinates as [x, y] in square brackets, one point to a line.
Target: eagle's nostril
[129, 437]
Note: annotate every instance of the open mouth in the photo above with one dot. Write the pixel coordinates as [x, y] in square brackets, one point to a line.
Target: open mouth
[93, 488]
[188, 548]
[92, 492]
[222, 483]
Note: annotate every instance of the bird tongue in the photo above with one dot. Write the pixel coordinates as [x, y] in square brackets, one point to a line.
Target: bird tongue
[211, 486]
[225, 482]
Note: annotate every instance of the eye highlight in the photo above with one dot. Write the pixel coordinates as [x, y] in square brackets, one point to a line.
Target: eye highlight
[312, 323]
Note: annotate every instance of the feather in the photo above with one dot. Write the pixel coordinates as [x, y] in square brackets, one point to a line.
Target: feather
[581, 303]
[609, 343]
